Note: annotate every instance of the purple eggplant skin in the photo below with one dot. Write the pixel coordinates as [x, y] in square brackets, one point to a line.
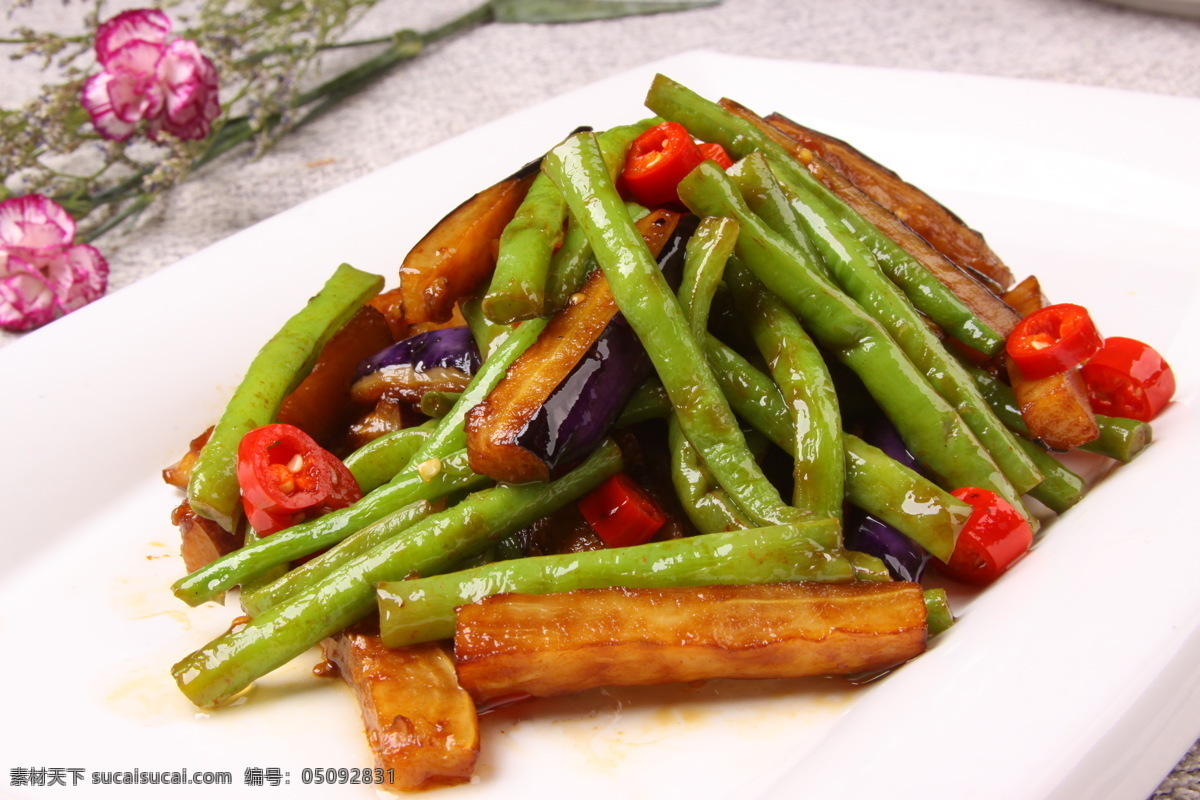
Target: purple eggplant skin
[581, 410]
[443, 359]
[905, 559]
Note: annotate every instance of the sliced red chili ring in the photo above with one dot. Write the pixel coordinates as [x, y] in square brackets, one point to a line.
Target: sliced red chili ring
[995, 536]
[285, 476]
[1053, 340]
[715, 152]
[1128, 378]
[656, 162]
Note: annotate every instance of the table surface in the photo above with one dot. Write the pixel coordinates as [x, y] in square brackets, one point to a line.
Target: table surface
[498, 69]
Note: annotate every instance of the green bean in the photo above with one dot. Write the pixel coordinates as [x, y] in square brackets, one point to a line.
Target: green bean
[855, 269]
[277, 369]
[518, 288]
[868, 567]
[408, 486]
[752, 394]
[488, 335]
[929, 426]
[799, 370]
[422, 610]
[437, 404]
[569, 267]
[708, 121]
[229, 663]
[450, 433]
[703, 266]
[708, 507]
[938, 617]
[1121, 439]
[573, 261]
[310, 573]
[652, 311]
[875, 482]
[895, 494]
[1062, 488]
[649, 401]
[378, 461]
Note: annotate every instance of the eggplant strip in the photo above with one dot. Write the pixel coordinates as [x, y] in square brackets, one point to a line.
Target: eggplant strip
[935, 223]
[421, 724]
[549, 645]
[497, 428]
[652, 310]
[895, 243]
[457, 255]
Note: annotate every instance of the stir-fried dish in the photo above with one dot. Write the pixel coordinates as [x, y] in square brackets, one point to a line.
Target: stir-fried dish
[699, 397]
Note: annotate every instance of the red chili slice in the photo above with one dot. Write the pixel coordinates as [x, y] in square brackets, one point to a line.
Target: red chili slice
[283, 474]
[715, 152]
[1053, 340]
[657, 161]
[621, 513]
[1128, 378]
[995, 536]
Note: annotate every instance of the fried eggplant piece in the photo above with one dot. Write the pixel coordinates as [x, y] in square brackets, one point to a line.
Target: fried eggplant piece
[1026, 297]
[548, 645]
[458, 255]
[421, 725]
[935, 223]
[1056, 408]
[179, 473]
[502, 440]
[966, 285]
[322, 405]
[201, 540]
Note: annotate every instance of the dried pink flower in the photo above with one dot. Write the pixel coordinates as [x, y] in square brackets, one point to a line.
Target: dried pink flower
[170, 85]
[43, 273]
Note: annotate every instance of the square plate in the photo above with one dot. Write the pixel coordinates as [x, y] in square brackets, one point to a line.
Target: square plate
[1075, 676]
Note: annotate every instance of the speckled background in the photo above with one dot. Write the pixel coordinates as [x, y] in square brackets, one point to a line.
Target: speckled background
[499, 69]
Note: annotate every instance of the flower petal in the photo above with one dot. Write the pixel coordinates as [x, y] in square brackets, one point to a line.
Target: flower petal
[89, 278]
[26, 301]
[135, 96]
[34, 222]
[142, 24]
[97, 102]
[192, 88]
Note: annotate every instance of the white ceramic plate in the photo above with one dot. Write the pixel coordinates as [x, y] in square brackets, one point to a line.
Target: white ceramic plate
[1075, 676]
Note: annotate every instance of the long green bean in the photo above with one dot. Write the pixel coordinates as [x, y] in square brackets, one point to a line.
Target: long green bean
[740, 138]
[799, 370]
[422, 610]
[229, 663]
[378, 461]
[931, 428]
[875, 482]
[1121, 439]
[1062, 488]
[277, 369]
[856, 270]
[573, 261]
[304, 577]
[651, 309]
[518, 288]
[408, 486]
[708, 507]
[708, 250]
